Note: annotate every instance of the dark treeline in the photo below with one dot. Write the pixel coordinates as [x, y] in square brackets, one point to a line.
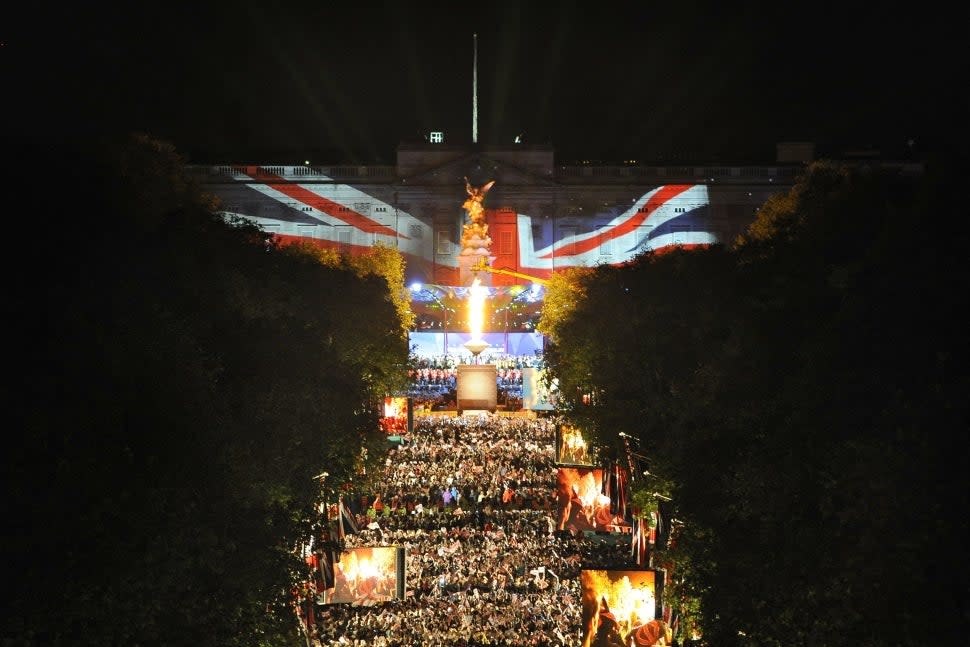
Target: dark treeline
[802, 396]
[173, 384]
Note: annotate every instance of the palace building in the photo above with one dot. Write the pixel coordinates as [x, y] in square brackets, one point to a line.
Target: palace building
[541, 216]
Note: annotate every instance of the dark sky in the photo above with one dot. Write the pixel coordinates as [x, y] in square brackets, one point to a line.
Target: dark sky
[281, 81]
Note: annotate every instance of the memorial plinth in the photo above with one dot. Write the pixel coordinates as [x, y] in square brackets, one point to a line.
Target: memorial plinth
[477, 387]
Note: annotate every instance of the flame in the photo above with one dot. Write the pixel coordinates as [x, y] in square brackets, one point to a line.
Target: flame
[629, 594]
[395, 406]
[367, 570]
[588, 490]
[476, 308]
[574, 446]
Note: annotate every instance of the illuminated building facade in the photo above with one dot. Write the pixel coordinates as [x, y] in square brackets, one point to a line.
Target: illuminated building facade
[542, 217]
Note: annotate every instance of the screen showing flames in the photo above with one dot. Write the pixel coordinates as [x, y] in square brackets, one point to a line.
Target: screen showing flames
[395, 418]
[571, 446]
[581, 504]
[395, 407]
[367, 576]
[617, 600]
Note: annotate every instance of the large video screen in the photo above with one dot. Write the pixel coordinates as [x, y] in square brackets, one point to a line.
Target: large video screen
[397, 415]
[622, 605]
[572, 448]
[582, 505]
[536, 394]
[437, 344]
[368, 576]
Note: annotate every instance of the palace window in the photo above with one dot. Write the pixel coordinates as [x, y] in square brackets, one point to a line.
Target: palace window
[443, 242]
[606, 245]
[505, 244]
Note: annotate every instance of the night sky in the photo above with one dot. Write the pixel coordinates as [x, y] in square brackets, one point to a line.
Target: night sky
[608, 81]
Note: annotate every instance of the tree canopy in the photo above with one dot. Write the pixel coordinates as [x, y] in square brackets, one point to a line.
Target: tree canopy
[178, 382]
[802, 396]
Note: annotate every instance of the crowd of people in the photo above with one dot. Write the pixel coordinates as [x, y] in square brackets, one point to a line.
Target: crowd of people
[473, 502]
[500, 360]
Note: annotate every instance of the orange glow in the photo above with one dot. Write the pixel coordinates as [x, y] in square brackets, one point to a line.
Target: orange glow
[630, 596]
[574, 449]
[366, 575]
[395, 406]
[582, 505]
[475, 240]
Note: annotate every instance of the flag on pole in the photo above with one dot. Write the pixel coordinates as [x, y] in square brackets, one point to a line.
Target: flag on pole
[346, 523]
[613, 485]
[323, 558]
[664, 515]
[325, 563]
[638, 546]
[635, 539]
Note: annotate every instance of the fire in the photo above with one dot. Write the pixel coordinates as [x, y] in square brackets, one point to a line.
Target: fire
[574, 448]
[588, 490]
[366, 569]
[630, 595]
[476, 308]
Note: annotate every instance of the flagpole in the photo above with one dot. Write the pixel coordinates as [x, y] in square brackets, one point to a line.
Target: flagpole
[340, 516]
[629, 457]
[475, 89]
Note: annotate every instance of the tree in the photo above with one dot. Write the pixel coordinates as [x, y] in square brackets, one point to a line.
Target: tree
[187, 379]
[664, 316]
[379, 262]
[801, 394]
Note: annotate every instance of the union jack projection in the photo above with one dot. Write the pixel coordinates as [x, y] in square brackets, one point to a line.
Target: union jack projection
[330, 213]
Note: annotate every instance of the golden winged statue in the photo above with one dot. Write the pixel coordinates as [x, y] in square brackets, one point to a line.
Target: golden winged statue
[474, 237]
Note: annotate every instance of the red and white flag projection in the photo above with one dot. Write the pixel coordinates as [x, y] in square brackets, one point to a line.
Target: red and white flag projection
[583, 505]
[367, 576]
[619, 604]
[329, 213]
